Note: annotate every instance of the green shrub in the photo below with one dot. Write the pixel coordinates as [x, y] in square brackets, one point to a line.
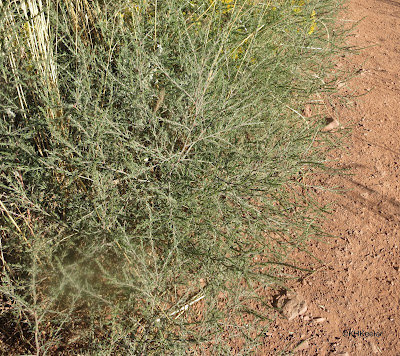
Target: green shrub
[152, 158]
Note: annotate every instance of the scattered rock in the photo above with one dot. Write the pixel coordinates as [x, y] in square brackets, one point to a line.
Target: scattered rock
[331, 124]
[307, 112]
[222, 295]
[302, 345]
[343, 354]
[375, 349]
[319, 320]
[294, 306]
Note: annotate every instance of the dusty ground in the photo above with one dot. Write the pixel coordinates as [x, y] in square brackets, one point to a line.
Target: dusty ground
[358, 289]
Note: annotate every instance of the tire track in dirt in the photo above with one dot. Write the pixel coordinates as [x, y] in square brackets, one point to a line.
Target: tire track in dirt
[358, 289]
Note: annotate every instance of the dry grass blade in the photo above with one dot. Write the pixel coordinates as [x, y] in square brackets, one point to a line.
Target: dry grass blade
[12, 220]
[82, 15]
[33, 43]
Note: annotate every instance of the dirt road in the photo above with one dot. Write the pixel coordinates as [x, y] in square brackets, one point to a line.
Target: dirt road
[358, 289]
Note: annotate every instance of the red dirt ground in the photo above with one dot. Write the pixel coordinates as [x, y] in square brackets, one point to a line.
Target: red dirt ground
[358, 288]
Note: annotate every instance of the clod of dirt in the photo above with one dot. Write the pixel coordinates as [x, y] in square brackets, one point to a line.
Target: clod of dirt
[293, 306]
[331, 124]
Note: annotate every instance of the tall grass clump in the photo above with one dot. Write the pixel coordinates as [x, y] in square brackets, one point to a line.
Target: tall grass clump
[152, 156]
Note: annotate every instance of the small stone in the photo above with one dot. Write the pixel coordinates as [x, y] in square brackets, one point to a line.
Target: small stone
[343, 354]
[375, 349]
[319, 320]
[331, 124]
[303, 345]
[222, 295]
[294, 307]
[307, 112]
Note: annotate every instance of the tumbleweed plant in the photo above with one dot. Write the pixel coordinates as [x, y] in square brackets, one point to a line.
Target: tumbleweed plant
[152, 164]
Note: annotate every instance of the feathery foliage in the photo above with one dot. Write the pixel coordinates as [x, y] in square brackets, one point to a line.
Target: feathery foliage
[151, 173]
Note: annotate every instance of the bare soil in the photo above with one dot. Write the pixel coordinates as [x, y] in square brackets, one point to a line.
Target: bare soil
[358, 286]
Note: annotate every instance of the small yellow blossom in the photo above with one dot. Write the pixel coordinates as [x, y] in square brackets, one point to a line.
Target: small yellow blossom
[313, 23]
[235, 54]
[229, 4]
[298, 5]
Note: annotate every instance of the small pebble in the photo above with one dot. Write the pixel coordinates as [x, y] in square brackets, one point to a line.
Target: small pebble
[304, 345]
[332, 124]
[319, 320]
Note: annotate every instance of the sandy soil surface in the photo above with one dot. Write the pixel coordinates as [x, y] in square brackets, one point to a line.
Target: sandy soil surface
[358, 288]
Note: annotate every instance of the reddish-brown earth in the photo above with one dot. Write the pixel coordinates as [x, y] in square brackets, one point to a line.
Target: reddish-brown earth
[358, 287]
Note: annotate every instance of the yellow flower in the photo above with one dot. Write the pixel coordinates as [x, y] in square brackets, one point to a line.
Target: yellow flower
[236, 53]
[312, 28]
[229, 4]
[298, 5]
[313, 22]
